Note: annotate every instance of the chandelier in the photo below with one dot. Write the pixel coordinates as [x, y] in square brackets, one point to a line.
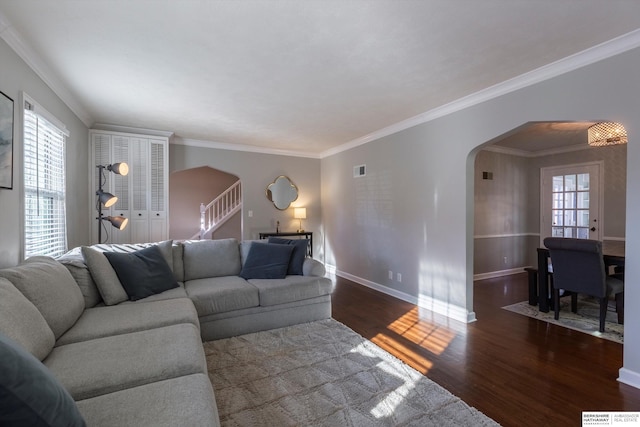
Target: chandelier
[606, 133]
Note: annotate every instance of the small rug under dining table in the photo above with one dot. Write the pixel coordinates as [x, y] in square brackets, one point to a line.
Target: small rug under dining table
[324, 374]
[586, 320]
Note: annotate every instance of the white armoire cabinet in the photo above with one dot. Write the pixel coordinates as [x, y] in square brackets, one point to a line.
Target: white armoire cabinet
[143, 194]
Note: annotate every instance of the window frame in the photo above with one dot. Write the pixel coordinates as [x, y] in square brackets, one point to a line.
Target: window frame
[61, 127]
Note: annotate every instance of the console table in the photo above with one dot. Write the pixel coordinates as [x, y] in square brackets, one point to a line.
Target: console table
[306, 234]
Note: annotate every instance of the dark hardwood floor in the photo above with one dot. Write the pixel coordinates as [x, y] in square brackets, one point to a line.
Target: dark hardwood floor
[517, 370]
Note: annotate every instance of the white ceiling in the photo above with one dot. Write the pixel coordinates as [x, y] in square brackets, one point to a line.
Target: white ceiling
[298, 76]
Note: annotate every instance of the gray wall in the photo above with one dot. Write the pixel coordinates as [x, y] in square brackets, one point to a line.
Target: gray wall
[15, 77]
[421, 222]
[507, 208]
[257, 171]
[503, 219]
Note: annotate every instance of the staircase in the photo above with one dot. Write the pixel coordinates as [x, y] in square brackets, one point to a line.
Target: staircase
[219, 210]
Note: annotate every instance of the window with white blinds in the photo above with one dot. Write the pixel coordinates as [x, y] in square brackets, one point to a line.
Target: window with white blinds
[44, 185]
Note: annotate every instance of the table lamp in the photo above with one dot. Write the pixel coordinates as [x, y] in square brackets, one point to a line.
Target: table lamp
[300, 213]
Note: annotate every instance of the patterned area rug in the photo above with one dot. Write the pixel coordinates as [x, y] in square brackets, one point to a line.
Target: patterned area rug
[585, 320]
[324, 374]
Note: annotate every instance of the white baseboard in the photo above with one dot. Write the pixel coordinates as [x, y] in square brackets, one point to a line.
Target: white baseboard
[500, 273]
[629, 377]
[452, 311]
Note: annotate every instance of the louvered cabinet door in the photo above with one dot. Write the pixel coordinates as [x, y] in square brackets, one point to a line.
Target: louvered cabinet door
[100, 155]
[120, 185]
[158, 195]
[139, 171]
[142, 195]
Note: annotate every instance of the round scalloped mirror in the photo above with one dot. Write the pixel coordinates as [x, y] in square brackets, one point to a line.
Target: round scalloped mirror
[282, 192]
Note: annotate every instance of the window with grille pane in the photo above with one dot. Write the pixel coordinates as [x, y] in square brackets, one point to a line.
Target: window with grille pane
[571, 206]
[44, 186]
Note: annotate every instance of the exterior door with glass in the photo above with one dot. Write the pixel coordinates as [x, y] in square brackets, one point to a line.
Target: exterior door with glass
[570, 202]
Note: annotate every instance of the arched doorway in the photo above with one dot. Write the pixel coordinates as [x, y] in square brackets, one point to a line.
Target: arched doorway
[507, 191]
[187, 190]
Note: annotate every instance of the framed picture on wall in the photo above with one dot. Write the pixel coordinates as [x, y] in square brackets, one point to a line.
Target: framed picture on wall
[6, 141]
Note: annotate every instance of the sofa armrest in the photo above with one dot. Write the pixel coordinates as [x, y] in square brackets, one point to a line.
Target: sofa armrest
[312, 267]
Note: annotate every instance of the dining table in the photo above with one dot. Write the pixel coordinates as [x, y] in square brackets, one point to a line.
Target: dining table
[613, 254]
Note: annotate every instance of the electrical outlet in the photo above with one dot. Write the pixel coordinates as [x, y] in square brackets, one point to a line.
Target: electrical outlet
[250, 214]
[399, 277]
[504, 259]
[390, 275]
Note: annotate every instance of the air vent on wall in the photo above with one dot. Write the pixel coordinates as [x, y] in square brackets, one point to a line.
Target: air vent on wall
[359, 171]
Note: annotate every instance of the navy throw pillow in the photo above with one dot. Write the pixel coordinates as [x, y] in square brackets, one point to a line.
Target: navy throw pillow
[267, 261]
[142, 273]
[29, 394]
[298, 255]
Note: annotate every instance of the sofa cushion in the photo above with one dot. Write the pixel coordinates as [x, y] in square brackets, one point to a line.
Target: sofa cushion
[142, 273]
[21, 321]
[211, 258]
[297, 256]
[104, 275]
[291, 288]
[29, 394]
[51, 288]
[267, 261]
[221, 294]
[105, 365]
[174, 293]
[99, 322]
[74, 261]
[181, 401]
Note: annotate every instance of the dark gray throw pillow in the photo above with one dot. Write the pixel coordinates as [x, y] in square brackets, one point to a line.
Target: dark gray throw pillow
[29, 394]
[267, 261]
[298, 255]
[142, 273]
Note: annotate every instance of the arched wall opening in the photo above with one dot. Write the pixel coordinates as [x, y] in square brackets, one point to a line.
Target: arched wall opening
[189, 188]
[507, 191]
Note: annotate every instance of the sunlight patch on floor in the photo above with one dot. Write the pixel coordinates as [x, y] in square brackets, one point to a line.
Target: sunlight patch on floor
[410, 357]
[430, 336]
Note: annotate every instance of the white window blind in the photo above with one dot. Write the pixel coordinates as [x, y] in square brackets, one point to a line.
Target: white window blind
[44, 186]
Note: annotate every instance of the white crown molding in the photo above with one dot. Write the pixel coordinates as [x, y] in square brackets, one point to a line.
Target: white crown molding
[541, 153]
[586, 57]
[241, 147]
[131, 130]
[14, 40]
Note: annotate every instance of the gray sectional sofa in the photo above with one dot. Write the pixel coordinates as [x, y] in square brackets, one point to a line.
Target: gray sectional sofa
[140, 363]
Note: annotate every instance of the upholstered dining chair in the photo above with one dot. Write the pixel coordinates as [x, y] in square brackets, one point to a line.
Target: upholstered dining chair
[578, 266]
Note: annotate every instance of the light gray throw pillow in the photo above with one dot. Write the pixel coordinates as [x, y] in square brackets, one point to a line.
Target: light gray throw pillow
[21, 321]
[51, 288]
[105, 276]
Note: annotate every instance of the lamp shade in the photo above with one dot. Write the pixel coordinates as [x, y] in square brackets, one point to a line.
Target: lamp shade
[606, 133]
[119, 168]
[118, 222]
[300, 213]
[107, 199]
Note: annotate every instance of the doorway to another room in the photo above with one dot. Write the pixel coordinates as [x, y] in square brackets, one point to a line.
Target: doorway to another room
[509, 198]
[190, 188]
